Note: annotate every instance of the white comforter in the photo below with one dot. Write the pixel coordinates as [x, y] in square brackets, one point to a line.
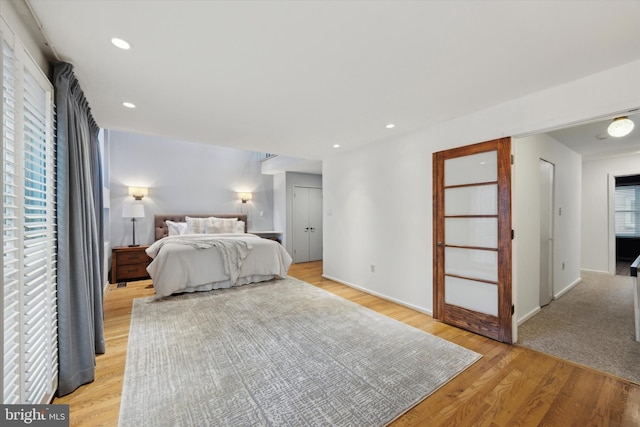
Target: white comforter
[196, 262]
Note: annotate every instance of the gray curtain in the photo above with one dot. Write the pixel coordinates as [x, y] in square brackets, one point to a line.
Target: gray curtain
[80, 238]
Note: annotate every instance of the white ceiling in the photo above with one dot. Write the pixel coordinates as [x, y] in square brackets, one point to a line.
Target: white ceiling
[296, 77]
[593, 142]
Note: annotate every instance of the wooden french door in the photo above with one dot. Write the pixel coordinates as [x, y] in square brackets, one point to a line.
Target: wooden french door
[472, 238]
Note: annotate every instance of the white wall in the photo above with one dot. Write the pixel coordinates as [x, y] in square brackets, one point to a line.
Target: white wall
[526, 220]
[378, 199]
[183, 177]
[596, 245]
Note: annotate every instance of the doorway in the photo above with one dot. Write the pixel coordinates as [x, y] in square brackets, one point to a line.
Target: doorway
[307, 224]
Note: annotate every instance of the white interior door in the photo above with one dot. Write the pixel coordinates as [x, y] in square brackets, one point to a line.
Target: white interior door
[307, 224]
[546, 232]
[315, 224]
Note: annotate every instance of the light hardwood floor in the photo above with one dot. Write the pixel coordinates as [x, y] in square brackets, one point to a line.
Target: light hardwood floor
[509, 386]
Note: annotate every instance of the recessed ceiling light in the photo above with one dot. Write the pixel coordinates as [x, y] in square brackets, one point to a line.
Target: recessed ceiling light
[122, 44]
[129, 105]
[336, 145]
[390, 126]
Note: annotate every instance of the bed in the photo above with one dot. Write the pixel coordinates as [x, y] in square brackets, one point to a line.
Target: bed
[202, 252]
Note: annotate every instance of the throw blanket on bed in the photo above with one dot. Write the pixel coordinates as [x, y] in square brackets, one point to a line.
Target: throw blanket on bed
[233, 251]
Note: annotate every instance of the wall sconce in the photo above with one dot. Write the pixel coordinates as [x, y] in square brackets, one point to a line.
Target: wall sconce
[245, 197]
[138, 192]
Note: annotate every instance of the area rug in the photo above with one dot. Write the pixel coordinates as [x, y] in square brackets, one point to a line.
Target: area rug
[592, 325]
[279, 353]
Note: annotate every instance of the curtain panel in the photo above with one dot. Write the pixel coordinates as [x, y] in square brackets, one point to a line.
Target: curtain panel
[80, 238]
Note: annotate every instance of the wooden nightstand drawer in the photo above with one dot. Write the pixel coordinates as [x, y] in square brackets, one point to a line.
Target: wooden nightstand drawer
[127, 258]
[129, 262]
[131, 271]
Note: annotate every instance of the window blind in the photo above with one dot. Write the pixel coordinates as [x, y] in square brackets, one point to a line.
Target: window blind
[28, 229]
[627, 211]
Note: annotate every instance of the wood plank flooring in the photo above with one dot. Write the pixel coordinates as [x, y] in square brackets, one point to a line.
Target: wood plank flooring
[509, 386]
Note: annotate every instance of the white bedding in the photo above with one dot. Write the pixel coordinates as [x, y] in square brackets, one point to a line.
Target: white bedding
[189, 263]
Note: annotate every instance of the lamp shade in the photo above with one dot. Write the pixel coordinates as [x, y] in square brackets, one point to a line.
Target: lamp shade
[133, 210]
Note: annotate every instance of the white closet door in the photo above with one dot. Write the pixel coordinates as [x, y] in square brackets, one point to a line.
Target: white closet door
[300, 224]
[307, 224]
[315, 224]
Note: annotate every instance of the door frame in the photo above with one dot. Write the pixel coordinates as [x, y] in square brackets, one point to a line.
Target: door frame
[500, 329]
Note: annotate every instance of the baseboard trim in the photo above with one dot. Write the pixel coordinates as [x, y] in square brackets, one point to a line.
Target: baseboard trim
[379, 295]
[529, 315]
[596, 271]
[568, 288]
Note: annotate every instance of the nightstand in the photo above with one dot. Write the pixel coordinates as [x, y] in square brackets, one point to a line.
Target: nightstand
[129, 262]
[269, 234]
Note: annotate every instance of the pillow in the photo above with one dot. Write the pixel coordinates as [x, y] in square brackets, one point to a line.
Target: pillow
[215, 225]
[196, 225]
[240, 227]
[176, 228]
[212, 225]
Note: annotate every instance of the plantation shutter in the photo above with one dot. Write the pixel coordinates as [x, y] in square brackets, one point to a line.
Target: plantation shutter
[30, 354]
[627, 211]
[39, 305]
[10, 233]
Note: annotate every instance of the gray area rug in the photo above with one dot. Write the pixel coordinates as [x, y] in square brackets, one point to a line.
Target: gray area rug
[278, 353]
[592, 325]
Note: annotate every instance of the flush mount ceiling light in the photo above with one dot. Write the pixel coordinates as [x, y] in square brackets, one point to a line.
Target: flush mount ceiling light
[336, 145]
[129, 105]
[620, 126]
[122, 44]
[390, 126]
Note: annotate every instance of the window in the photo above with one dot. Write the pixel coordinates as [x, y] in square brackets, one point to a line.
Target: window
[627, 211]
[28, 229]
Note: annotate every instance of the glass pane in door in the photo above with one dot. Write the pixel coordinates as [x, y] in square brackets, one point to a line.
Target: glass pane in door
[482, 167]
[471, 263]
[477, 232]
[476, 296]
[475, 200]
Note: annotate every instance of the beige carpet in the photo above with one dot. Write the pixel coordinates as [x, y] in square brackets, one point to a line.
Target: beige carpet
[280, 353]
[592, 325]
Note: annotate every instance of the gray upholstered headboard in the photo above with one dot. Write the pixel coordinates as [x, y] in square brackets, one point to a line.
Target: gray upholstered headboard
[161, 229]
